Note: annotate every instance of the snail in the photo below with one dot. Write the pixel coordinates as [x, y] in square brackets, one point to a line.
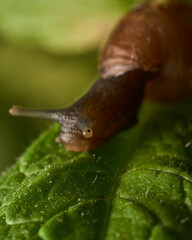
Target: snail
[147, 56]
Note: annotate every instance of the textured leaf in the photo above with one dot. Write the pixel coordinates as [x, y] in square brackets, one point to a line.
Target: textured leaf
[139, 186]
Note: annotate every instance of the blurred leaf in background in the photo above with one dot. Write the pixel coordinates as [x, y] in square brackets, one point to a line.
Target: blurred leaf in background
[60, 26]
[48, 59]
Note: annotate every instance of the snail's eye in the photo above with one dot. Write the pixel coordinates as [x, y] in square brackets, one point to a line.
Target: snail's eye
[87, 132]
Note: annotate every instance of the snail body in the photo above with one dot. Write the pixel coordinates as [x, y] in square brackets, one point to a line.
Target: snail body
[148, 55]
[154, 38]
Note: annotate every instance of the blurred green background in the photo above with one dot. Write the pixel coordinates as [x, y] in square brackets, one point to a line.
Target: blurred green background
[48, 58]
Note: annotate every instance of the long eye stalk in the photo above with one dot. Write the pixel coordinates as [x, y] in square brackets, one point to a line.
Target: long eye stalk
[54, 115]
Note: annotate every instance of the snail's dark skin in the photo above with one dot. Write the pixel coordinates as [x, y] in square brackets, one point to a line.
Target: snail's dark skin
[149, 54]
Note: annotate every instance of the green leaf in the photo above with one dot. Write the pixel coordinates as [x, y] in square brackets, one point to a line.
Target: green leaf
[139, 186]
